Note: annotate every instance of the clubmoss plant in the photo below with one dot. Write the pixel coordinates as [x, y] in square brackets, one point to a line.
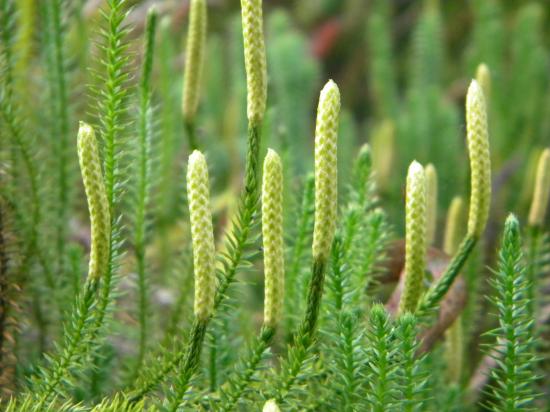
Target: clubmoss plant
[480, 194]
[194, 62]
[415, 253]
[326, 199]
[202, 234]
[73, 348]
[326, 196]
[161, 318]
[98, 205]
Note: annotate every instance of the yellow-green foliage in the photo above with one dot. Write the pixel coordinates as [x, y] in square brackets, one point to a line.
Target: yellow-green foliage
[272, 231]
[326, 175]
[94, 185]
[254, 58]
[480, 159]
[415, 232]
[200, 215]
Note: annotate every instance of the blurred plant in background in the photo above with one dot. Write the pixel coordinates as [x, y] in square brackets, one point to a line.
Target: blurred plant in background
[375, 282]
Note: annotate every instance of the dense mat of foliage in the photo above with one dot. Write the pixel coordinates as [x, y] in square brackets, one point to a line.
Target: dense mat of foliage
[181, 230]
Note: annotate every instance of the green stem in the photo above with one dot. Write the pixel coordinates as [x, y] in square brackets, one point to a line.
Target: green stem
[63, 119]
[436, 293]
[190, 363]
[246, 213]
[145, 128]
[246, 369]
[191, 131]
[306, 333]
[314, 296]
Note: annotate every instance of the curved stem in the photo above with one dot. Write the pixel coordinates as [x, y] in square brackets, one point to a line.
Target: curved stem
[437, 292]
[190, 363]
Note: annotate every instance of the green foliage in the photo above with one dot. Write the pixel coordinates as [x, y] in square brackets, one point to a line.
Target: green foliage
[128, 340]
[382, 366]
[146, 135]
[514, 374]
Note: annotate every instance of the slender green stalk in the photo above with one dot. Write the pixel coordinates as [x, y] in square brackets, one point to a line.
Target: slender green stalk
[454, 336]
[191, 131]
[245, 215]
[433, 296]
[62, 120]
[112, 109]
[143, 184]
[10, 112]
[189, 365]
